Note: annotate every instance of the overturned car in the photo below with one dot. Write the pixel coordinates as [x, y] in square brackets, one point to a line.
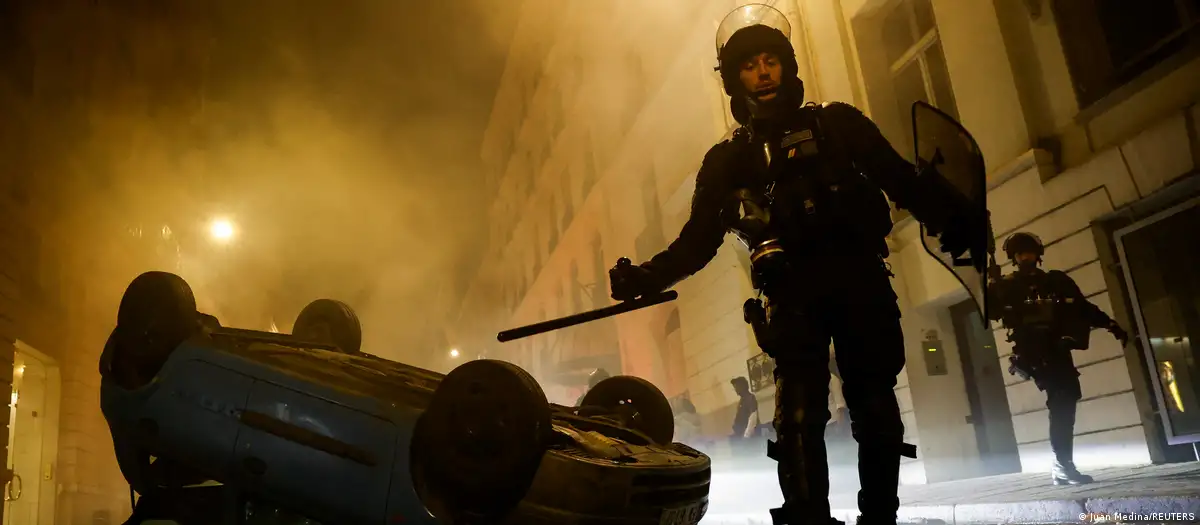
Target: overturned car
[220, 425]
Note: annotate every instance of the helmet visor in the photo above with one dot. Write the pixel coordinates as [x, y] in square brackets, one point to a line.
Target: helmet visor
[749, 15]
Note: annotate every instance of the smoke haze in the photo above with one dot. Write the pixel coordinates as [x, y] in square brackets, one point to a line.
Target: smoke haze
[340, 139]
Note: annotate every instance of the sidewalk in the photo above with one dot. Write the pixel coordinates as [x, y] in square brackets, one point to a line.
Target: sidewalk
[1013, 498]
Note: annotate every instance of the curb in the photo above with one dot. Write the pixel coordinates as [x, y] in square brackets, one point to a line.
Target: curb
[1170, 508]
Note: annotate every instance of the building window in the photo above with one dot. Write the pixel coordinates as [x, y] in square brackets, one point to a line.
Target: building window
[558, 112]
[16, 53]
[576, 288]
[569, 202]
[589, 172]
[636, 88]
[562, 296]
[600, 277]
[537, 256]
[519, 114]
[574, 82]
[650, 204]
[651, 239]
[31, 260]
[552, 240]
[1109, 43]
[918, 66]
[672, 325]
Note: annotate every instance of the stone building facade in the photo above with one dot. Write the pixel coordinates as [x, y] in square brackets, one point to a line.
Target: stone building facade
[1087, 127]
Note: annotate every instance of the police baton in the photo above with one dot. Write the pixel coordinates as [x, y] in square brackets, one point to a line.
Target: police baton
[584, 317]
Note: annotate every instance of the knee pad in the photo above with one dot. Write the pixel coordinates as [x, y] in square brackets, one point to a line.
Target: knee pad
[878, 424]
[801, 421]
[878, 414]
[1064, 390]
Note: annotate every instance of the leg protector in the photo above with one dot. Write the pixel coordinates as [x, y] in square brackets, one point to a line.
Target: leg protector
[879, 431]
[1062, 398]
[801, 412]
[869, 345]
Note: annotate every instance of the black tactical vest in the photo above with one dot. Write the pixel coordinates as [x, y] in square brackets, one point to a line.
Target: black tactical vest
[1036, 307]
[818, 198]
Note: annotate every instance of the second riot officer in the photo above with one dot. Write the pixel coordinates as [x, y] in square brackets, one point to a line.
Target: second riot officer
[1047, 317]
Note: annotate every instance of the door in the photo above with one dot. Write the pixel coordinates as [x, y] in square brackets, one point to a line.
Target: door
[986, 395]
[32, 439]
[1159, 256]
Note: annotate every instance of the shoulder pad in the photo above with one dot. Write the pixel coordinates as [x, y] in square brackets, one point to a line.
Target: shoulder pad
[718, 147]
[1008, 276]
[844, 114]
[718, 154]
[840, 106]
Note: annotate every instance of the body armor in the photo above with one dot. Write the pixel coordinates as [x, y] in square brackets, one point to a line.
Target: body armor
[801, 193]
[1038, 306]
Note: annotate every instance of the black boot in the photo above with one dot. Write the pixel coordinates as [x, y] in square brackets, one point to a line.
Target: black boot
[879, 450]
[801, 412]
[879, 476]
[804, 481]
[1061, 401]
[1065, 473]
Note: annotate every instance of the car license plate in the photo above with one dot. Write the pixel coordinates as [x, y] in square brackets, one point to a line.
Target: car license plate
[689, 515]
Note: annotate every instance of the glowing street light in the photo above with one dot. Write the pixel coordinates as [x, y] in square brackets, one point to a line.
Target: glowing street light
[454, 353]
[221, 230]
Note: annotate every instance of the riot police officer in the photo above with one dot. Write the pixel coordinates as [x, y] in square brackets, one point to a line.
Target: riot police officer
[594, 379]
[1047, 317]
[800, 185]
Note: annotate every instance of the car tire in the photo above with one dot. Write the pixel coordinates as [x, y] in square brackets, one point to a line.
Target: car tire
[157, 314]
[651, 412]
[478, 446]
[330, 322]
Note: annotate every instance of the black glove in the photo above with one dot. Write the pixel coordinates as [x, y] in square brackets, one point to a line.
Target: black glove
[629, 281]
[1020, 367]
[994, 273]
[967, 231]
[1119, 333]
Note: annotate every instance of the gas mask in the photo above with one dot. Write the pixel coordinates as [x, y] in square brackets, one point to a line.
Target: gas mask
[753, 229]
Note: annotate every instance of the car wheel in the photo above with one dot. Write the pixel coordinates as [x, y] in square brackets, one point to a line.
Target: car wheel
[641, 404]
[477, 447]
[157, 314]
[330, 322]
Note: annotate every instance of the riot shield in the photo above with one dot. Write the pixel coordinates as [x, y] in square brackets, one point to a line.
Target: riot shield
[945, 148]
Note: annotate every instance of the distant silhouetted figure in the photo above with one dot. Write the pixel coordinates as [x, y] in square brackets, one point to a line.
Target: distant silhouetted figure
[594, 378]
[745, 421]
[687, 420]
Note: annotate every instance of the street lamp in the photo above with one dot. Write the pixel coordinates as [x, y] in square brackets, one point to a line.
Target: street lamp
[221, 230]
[454, 353]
